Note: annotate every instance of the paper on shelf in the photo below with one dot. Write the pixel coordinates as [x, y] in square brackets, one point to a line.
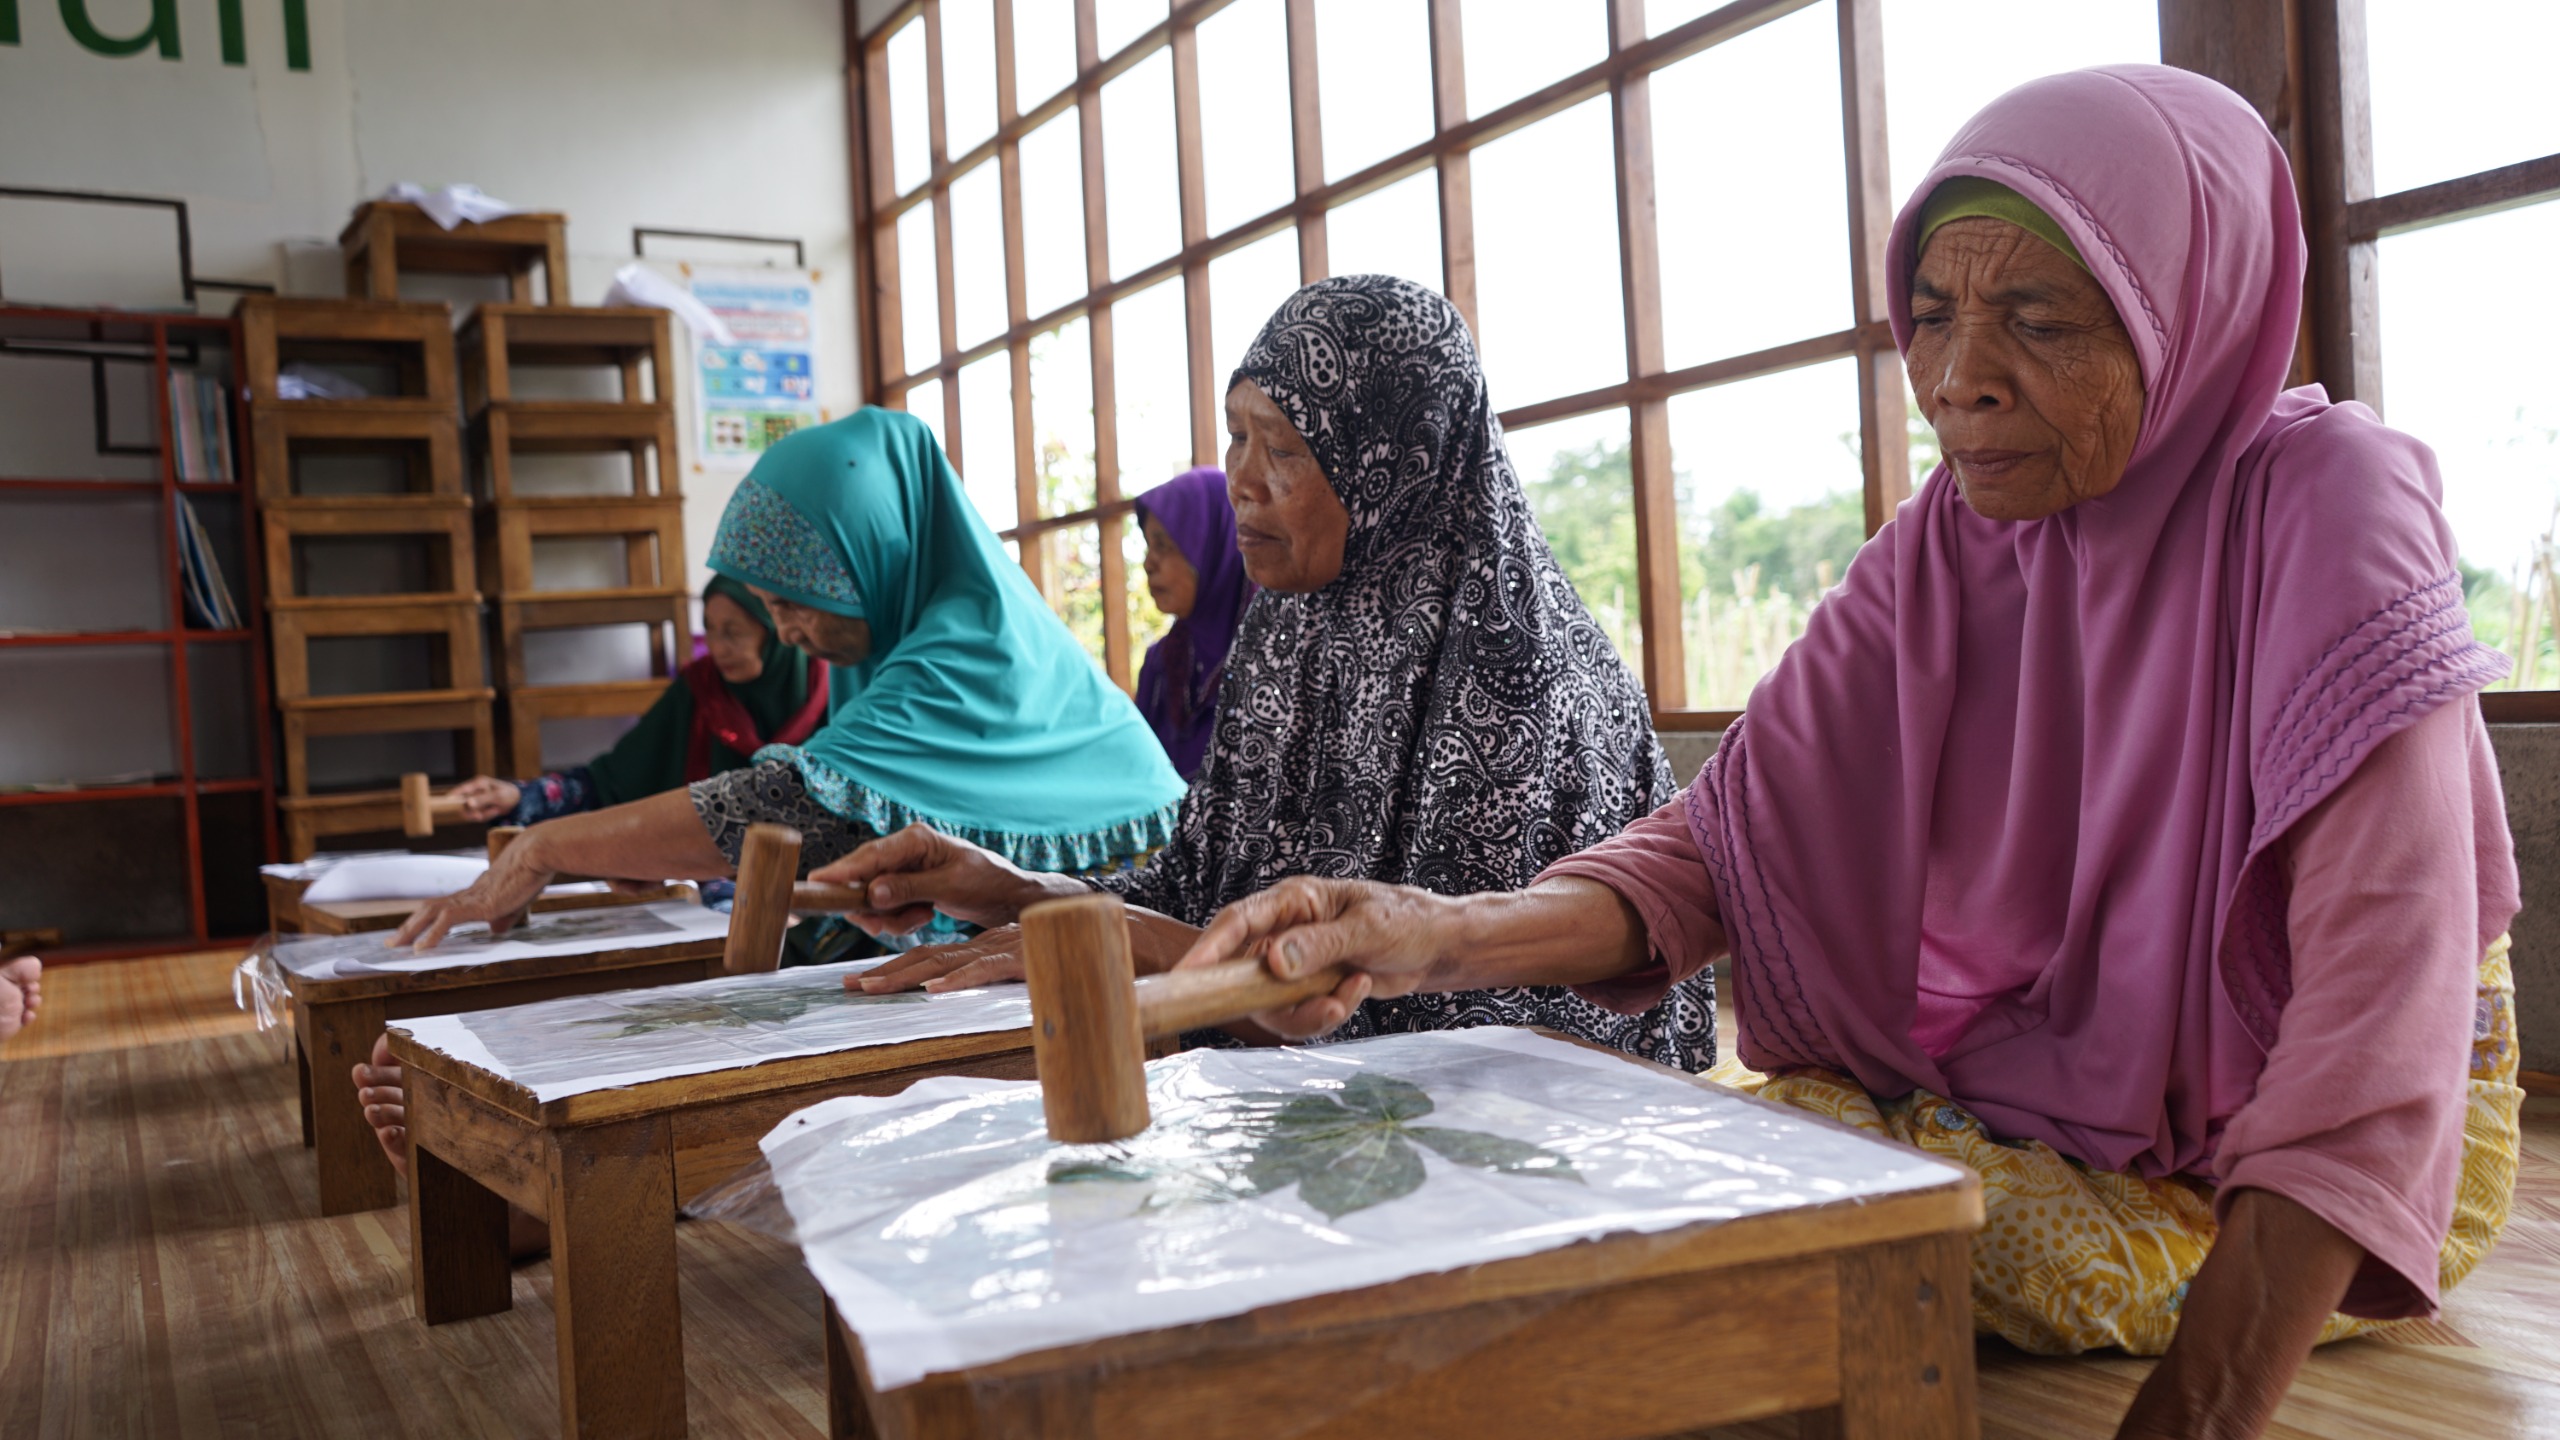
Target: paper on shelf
[454, 204]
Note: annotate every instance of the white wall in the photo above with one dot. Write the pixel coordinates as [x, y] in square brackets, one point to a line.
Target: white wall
[682, 114]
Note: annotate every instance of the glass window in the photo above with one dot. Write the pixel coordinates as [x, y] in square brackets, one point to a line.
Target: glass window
[986, 438]
[1062, 417]
[2476, 377]
[1116, 23]
[925, 403]
[1772, 506]
[1938, 71]
[968, 74]
[1373, 80]
[977, 253]
[1546, 222]
[919, 295]
[1053, 270]
[1758, 115]
[1142, 195]
[1151, 385]
[1582, 489]
[1516, 46]
[910, 125]
[1147, 624]
[1244, 113]
[1072, 582]
[1393, 231]
[1245, 286]
[2458, 89]
[1044, 51]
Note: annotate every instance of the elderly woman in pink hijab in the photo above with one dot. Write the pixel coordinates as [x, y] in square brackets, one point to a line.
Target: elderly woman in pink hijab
[2122, 825]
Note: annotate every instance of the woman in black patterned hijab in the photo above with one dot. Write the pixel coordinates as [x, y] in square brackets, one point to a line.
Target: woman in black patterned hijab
[1437, 708]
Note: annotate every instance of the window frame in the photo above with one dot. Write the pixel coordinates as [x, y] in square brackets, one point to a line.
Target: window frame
[1624, 75]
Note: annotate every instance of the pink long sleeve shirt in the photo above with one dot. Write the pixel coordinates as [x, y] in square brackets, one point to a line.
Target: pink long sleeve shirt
[2357, 1113]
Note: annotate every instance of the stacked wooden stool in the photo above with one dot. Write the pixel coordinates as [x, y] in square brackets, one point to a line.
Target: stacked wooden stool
[385, 237]
[648, 519]
[414, 343]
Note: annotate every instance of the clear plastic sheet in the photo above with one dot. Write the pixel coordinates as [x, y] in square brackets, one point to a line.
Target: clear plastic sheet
[582, 1043]
[951, 1232]
[257, 984]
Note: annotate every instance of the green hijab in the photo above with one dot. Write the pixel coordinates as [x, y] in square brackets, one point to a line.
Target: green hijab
[977, 712]
[654, 755]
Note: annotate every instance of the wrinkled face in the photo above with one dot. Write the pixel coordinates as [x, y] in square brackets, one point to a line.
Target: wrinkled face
[735, 640]
[2023, 369]
[1171, 582]
[1289, 524]
[836, 639]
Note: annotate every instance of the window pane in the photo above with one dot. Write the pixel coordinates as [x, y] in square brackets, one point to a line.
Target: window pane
[1244, 113]
[1062, 417]
[1373, 80]
[1073, 582]
[1582, 489]
[1245, 286]
[1151, 386]
[1147, 624]
[1516, 46]
[1143, 202]
[918, 293]
[1394, 231]
[1732, 284]
[968, 74]
[1053, 215]
[977, 253]
[910, 126]
[1772, 506]
[1938, 71]
[986, 438]
[1546, 221]
[2477, 379]
[925, 403]
[2459, 88]
[1118, 22]
[1044, 51]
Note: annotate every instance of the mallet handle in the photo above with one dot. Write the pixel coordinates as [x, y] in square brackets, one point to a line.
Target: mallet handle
[768, 859]
[1180, 1000]
[808, 898]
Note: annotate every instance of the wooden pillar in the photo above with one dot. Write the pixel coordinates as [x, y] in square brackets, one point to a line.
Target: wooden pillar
[1664, 666]
[1191, 170]
[1884, 437]
[1114, 579]
[2343, 294]
[1306, 138]
[1457, 193]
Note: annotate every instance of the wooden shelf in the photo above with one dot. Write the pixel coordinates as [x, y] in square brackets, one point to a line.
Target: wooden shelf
[122, 637]
[35, 486]
[156, 790]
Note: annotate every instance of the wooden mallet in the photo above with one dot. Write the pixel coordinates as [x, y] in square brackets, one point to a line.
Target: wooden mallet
[1091, 1014]
[768, 862]
[420, 811]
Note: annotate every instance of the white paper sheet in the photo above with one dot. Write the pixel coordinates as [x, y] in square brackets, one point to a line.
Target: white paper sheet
[451, 205]
[322, 864]
[560, 932]
[597, 1042]
[952, 1232]
[396, 877]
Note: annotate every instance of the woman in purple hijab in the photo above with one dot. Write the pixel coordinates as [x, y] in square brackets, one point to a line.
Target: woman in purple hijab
[2123, 825]
[1195, 575]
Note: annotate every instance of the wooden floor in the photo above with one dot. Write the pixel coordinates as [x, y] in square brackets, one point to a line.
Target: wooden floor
[164, 1272]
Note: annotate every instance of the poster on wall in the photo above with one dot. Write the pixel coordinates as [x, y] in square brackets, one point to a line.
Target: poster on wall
[750, 394]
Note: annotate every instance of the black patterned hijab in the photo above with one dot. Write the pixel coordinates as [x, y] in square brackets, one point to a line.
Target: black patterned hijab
[1445, 714]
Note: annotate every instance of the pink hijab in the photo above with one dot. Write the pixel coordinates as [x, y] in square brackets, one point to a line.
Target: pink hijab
[2042, 887]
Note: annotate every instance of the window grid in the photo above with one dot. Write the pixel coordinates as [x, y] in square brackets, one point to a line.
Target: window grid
[1624, 75]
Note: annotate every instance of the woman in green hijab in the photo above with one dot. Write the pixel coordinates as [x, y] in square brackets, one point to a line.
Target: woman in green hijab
[748, 691]
[958, 699]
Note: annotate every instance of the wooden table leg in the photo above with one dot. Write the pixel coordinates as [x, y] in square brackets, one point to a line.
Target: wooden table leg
[613, 1280]
[457, 1242]
[848, 1411]
[302, 1072]
[353, 1173]
[1906, 1344]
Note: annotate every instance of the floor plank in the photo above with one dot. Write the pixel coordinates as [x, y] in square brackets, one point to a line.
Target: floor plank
[116, 1004]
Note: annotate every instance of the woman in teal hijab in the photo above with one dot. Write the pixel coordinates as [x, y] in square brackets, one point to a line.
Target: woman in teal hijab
[748, 690]
[958, 699]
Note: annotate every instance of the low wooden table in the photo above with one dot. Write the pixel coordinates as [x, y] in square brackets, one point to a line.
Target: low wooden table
[1854, 1316]
[609, 1168]
[335, 1023]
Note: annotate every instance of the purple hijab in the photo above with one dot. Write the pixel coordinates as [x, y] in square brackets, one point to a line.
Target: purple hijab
[1178, 684]
[1999, 826]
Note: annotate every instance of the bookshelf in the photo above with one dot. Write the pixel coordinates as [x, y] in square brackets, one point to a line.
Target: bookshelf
[164, 859]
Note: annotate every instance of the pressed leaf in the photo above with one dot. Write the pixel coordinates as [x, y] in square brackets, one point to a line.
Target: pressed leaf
[739, 1010]
[1081, 1172]
[1386, 1097]
[1493, 1152]
[1374, 1169]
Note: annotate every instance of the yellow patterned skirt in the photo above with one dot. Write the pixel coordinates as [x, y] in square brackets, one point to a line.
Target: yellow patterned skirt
[2072, 1259]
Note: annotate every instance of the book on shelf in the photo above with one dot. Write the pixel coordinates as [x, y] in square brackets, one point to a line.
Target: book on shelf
[200, 427]
[209, 600]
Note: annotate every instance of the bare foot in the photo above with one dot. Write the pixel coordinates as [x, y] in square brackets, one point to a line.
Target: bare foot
[21, 993]
[379, 1090]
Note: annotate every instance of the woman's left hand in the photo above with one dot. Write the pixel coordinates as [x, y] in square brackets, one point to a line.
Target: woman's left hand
[497, 897]
[993, 958]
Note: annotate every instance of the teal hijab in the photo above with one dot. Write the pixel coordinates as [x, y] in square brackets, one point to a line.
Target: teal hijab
[977, 712]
